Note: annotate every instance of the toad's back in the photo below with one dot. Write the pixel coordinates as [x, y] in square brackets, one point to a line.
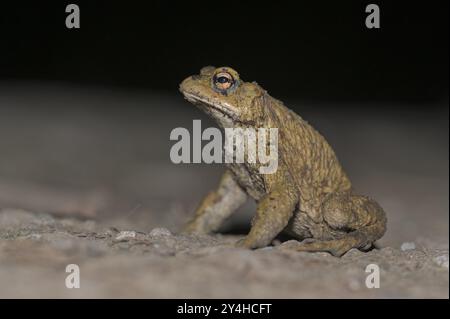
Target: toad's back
[311, 161]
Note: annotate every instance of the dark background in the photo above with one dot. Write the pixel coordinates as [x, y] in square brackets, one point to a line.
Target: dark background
[313, 50]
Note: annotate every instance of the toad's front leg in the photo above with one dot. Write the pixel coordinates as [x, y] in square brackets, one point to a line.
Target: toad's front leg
[217, 206]
[272, 215]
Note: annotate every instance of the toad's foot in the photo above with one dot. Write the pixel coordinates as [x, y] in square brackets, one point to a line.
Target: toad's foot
[337, 247]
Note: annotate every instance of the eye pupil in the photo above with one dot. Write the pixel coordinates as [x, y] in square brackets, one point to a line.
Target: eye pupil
[223, 79]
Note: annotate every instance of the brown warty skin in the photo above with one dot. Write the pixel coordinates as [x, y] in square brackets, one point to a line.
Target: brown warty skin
[308, 197]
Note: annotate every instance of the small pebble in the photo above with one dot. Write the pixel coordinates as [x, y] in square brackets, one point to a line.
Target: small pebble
[126, 234]
[408, 246]
[35, 236]
[156, 232]
[441, 261]
[353, 252]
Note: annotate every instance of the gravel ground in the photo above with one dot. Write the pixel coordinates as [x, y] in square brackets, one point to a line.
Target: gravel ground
[85, 179]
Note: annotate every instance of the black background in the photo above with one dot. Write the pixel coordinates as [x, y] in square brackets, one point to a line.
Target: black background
[310, 50]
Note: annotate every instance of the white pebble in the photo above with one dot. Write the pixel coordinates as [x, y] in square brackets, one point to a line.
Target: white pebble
[35, 236]
[408, 246]
[156, 232]
[125, 235]
[441, 261]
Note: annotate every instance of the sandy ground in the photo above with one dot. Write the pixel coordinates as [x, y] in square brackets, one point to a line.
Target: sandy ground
[85, 178]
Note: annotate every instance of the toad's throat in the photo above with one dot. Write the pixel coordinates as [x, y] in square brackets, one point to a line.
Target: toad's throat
[206, 104]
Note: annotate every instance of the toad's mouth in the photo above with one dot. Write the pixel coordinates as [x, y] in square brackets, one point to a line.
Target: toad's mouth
[207, 104]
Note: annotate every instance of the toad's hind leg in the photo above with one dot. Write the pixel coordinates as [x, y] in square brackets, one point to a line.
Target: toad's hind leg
[354, 221]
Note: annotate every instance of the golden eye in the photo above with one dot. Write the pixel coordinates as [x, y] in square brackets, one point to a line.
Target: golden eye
[223, 81]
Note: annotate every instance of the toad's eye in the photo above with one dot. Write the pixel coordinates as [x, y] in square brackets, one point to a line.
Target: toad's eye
[223, 81]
